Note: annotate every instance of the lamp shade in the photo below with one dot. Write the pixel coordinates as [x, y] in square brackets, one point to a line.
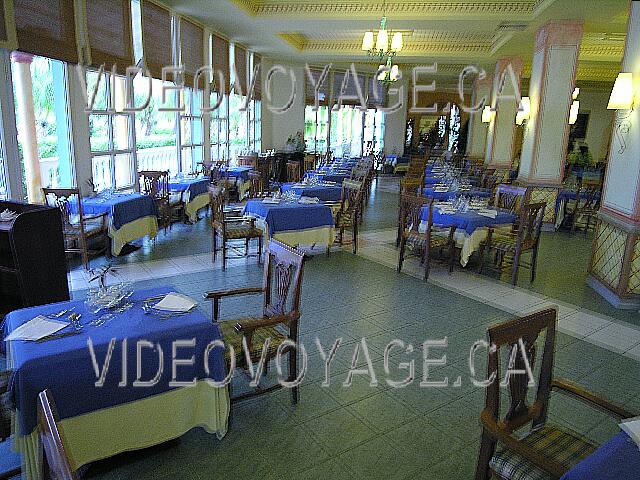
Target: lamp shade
[367, 41]
[396, 42]
[382, 42]
[622, 93]
[394, 73]
[573, 113]
[487, 114]
[381, 73]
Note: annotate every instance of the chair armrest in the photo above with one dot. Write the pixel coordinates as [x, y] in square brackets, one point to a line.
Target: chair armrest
[235, 291]
[515, 445]
[248, 326]
[591, 398]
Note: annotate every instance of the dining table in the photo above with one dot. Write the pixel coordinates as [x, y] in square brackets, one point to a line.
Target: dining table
[325, 191]
[564, 196]
[194, 191]
[293, 222]
[471, 226]
[240, 175]
[135, 381]
[131, 216]
[616, 459]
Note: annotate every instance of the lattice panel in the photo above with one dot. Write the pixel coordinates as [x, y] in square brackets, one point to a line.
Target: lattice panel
[634, 275]
[608, 254]
[548, 196]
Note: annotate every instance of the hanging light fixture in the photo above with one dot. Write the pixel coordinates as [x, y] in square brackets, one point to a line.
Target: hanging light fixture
[388, 75]
[378, 46]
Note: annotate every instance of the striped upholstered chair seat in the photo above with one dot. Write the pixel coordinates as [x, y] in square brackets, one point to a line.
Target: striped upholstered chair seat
[242, 230]
[417, 240]
[558, 444]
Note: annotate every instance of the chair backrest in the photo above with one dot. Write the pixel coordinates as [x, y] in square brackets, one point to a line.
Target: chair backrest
[513, 335]
[257, 184]
[411, 210]
[351, 196]
[283, 271]
[250, 160]
[530, 224]
[293, 171]
[68, 201]
[510, 197]
[588, 194]
[51, 439]
[411, 185]
[203, 168]
[216, 202]
[155, 183]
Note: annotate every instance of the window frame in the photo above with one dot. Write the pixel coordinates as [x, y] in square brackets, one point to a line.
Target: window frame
[188, 115]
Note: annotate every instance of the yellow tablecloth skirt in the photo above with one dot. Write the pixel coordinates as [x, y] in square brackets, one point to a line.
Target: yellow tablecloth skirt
[142, 227]
[192, 206]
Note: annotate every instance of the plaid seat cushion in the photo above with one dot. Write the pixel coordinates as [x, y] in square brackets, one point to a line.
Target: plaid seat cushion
[560, 445]
[233, 338]
[242, 230]
[416, 240]
[504, 241]
[345, 219]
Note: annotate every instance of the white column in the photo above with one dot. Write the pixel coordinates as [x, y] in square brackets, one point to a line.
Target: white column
[614, 270]
[24, 100]
[502, 128]
[13, 170]
[477, 139]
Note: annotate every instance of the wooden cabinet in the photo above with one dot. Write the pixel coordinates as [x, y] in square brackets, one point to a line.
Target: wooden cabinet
[33, 266]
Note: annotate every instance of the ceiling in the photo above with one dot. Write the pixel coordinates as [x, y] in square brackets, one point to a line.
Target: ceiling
[451, 33]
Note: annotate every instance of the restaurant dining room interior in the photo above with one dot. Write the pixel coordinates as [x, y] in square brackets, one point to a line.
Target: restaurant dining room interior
[295, 239]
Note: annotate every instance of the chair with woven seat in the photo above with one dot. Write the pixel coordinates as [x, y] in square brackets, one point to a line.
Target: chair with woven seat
[230, 227]
[170, 206]
[524, 239]
[545, 451]
[424, 242]
[586, 206]
[257, 188]
[79, 230]
[281, 290]
[56, 464]
[349, 214]
[6, 412]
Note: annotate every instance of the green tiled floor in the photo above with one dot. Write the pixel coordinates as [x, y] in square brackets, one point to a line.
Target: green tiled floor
[362, 431]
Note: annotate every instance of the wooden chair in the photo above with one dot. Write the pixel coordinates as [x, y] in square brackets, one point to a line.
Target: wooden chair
[514, 243]
[257, 189]
[6, 412]
[293, 171]
[509, 197]
[155, 183]
[56, 460]
[250, 160]
[309, 162]
[281, 290]
[230, 228]
[348, 216]
[204, 168]
[585, 208]
[546, 450]
[411, 207]
[79, 229]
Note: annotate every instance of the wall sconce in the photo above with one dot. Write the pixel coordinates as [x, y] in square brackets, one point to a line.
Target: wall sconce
[573, 113]
[487, 114]
[524, 111]
[622, 98]
[622, 93]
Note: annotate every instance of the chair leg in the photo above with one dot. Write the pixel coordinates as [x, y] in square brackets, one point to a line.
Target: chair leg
[293, 374]
[452, 257]
[224, 254]
[534, 261]
[355, 238]
[214, 245]
[481, 258]
[401, 255]
[487, 449]
[515, 267]
[246, 247]
[427, 261]
[259, 249]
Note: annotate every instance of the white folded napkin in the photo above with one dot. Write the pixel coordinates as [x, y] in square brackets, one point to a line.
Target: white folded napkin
[273, 201]
[488, 213]
[175, 302]
[631, 427]
[308, 200]
[36, 329]
[7, 215]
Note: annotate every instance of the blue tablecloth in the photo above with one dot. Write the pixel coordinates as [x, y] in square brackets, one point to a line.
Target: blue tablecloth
[64, 366]
[121, 207]
[330, 177]
[617, 459]
[430, 192]
[326, 193]
[241, 173]
[288, 216]
[469, 221]
[195, 186]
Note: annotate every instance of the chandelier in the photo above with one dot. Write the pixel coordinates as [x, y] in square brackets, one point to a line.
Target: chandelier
[378, 47]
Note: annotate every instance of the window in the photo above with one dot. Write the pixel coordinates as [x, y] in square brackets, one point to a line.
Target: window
[219, 127]
[373, 135]
[454, 127]
[238, 125]
[4, 192]
[110, 133]
[191, 134]
[316, 126]
[49, 97]
[156, 145]
[255, 133]
[346, 131]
